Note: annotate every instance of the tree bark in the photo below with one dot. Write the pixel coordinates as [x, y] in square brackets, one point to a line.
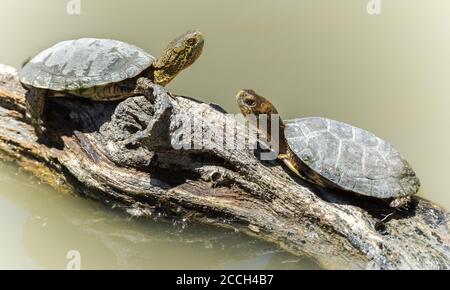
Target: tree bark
[89, 152]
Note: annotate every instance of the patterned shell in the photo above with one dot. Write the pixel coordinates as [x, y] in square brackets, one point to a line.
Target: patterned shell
[85, 63]
[352, 158]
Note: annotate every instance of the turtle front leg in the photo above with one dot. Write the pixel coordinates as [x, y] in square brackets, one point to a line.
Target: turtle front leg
[289, 163]
[147, 88]
[35, 102]
[158, 125]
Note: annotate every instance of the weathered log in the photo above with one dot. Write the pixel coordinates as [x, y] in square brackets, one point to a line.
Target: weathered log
[89, 152]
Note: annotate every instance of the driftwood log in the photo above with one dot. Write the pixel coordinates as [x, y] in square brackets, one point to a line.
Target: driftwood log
[88, 151]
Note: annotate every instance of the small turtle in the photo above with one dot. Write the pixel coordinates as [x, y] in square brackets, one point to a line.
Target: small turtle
[102, 70]
[338, 155]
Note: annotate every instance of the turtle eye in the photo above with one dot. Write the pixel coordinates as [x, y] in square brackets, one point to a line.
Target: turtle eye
[250, 103]
[191, 41]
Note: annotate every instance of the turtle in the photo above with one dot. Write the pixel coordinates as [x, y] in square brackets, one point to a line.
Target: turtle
[337, 155]
[102, 70]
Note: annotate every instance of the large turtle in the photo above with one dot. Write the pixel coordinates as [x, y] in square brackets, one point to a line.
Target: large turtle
[338, 155]
[102, 70]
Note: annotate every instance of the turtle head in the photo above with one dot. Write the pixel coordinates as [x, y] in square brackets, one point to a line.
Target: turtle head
[250, 102]
[179, 54]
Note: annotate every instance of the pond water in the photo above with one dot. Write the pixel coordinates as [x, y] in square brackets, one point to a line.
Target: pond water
[387, 73]
[40, 227]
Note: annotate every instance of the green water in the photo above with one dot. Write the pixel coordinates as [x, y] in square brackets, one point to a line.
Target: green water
[386, 73]
[39, 227]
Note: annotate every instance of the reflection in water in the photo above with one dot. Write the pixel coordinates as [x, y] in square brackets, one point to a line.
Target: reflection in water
[41, 226]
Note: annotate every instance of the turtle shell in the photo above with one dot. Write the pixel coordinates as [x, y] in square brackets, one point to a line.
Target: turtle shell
[85, 63]
[351, 158]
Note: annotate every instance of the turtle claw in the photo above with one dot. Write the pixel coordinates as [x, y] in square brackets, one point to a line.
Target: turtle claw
[401, 203]
[145, 87]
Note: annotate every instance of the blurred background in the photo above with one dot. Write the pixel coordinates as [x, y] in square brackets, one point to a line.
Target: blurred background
[386, 73]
